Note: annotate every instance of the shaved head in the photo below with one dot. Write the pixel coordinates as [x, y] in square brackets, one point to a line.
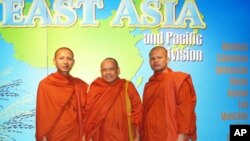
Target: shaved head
[63, 48]
[158, 59]
[64, 60]
[159, 48]
[110, 70]
[110, 59]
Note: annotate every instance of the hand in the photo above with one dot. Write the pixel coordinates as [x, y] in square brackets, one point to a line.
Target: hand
[137, 138]
[84, 138]
[44, 138]
[137, 135]
[181, 137]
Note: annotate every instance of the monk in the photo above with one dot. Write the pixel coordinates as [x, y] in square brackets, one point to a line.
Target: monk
[60, 100]
[107, 116]
[169, 101]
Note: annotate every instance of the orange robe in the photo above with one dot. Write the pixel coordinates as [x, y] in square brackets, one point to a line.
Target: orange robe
[106, 117]
[59, 114]
[169, 101]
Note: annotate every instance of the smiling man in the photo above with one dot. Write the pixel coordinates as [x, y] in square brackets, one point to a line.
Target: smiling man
[107, 116]
[60, 100]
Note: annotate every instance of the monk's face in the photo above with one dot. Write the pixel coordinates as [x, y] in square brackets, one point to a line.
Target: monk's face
[158, 60]
[109, 71]
[64, 61]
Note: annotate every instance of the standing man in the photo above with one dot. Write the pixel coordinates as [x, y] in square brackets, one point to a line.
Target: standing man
[60, 100]
[169, 101]
[107, 116]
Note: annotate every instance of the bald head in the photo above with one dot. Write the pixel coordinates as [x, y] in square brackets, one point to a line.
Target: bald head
[158, 59]
[110, 70]
[110, 59]
[63, 48]
[159, 48]
[64, 60]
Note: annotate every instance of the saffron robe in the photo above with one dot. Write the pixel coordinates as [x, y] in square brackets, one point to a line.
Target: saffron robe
[59, 114]
[106, 116]
[169, 101]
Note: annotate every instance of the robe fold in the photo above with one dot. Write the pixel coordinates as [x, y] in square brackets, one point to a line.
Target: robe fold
[59, 111]
[106, 117]
[169, 101]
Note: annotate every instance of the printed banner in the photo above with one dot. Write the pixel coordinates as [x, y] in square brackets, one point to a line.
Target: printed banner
[207, 39]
